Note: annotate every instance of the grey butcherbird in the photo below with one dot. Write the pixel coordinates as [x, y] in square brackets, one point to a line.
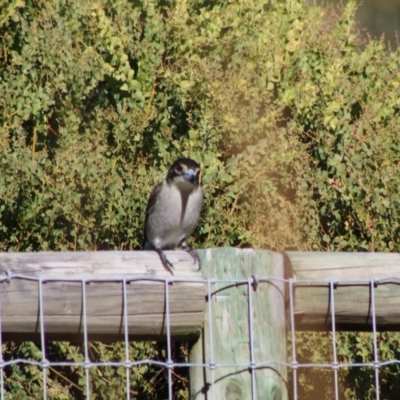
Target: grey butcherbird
[173, 210]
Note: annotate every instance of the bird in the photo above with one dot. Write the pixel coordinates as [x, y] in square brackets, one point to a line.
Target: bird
[173, 210]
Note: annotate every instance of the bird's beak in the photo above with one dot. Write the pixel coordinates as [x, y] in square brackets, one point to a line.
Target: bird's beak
[190, 176]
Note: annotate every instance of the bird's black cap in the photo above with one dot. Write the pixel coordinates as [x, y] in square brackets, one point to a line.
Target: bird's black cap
[186, 161]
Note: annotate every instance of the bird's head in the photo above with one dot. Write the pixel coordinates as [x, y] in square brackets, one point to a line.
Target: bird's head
[185, 173]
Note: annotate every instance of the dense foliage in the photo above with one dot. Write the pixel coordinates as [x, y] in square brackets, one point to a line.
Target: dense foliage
[295, 127]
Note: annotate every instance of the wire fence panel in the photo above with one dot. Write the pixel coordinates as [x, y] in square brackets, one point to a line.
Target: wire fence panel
[355, 357]
[249, 361]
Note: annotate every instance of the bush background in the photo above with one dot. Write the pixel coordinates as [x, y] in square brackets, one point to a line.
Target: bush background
[295, 125]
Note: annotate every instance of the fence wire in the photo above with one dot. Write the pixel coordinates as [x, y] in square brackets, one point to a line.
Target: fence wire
[293, 366]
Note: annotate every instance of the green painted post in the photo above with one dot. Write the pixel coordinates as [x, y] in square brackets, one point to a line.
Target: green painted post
[230, 347]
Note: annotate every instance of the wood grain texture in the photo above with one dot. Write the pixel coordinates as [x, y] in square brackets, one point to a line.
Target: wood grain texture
[229, 345]
[352, 294]
[63, 275]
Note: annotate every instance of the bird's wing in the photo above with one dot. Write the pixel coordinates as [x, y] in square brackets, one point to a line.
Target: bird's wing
[150, 206]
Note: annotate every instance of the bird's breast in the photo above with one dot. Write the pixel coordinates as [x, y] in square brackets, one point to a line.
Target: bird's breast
[174, 216]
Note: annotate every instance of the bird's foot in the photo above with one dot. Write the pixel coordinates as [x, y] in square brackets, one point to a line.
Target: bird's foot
[165, 262]
[193, 253]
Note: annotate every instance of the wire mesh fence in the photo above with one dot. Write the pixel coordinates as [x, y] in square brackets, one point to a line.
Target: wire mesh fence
[334, 364]
[293, 365]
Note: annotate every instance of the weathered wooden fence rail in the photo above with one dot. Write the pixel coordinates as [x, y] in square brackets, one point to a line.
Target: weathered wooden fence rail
[355, 275]
[62, 275]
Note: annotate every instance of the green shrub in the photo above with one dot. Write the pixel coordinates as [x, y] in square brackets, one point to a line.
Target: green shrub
[296, 129]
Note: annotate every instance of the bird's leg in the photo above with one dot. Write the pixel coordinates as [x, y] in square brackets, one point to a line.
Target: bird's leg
[167, 264]
[192, 252]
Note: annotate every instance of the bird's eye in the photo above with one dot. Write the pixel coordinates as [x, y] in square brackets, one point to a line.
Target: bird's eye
[179, 168]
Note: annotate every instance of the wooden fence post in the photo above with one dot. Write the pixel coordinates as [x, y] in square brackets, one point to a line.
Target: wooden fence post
[230, 347]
